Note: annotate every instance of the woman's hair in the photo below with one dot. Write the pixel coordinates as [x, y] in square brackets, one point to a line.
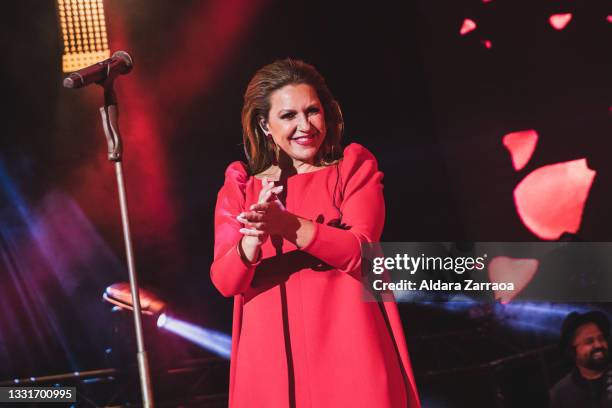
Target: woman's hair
[259, 150]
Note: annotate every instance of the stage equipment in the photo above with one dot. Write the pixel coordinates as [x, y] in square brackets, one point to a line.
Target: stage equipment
[84, 33]
[214, 341]
[119, 64]
[119, 295]
[110, 122]
[188, 383]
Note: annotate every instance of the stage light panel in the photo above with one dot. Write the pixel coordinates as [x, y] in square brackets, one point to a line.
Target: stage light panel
[83, 29]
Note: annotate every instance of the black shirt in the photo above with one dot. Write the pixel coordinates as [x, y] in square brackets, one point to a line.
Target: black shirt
[575, 391]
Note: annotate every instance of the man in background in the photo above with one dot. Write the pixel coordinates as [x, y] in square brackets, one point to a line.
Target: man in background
[584, 339]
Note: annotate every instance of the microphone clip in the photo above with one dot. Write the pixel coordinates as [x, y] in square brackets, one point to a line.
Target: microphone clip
[110, 121]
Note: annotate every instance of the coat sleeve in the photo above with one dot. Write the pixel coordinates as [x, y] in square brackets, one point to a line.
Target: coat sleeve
[229, 273]
[363, 210]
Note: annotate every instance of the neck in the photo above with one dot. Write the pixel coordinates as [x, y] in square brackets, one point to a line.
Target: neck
[289, 165]
[590, 374]
[302, 167]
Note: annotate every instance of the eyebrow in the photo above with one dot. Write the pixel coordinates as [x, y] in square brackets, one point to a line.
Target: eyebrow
[591, 338]
[289, 110]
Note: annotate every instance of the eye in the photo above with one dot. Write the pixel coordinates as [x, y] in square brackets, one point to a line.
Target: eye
[288, 115]
[313, 110]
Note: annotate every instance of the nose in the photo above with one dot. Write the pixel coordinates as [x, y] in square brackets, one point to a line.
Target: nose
[304, 124]
[601, 343]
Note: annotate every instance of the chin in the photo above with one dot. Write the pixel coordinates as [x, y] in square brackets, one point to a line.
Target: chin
[305, 155]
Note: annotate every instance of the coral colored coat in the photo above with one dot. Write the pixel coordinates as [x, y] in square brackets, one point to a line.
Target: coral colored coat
[302, 336]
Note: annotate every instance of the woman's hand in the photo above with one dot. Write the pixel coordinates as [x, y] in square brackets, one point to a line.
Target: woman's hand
[255, 237]
[273, 219]
[269, 217]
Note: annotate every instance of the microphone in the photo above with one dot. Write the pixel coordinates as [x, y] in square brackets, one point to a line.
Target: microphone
[119, 64]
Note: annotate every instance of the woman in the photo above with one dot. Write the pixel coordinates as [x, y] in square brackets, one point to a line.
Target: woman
[288, 229]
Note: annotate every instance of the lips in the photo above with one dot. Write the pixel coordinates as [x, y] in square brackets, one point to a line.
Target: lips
[304, 140]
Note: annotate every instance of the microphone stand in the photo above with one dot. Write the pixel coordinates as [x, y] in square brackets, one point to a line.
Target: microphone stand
[109, 113]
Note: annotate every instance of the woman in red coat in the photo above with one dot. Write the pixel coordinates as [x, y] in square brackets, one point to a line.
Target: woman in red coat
[288, 229]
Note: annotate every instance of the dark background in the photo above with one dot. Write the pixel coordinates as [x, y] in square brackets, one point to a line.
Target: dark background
[431, 105]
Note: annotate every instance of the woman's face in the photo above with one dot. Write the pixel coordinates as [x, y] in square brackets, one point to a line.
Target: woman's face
[296, 122]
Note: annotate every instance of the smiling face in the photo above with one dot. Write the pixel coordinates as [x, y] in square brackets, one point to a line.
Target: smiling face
[296, 122]
[591, 347]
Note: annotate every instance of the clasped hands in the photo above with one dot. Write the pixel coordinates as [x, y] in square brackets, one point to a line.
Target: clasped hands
[267, 217]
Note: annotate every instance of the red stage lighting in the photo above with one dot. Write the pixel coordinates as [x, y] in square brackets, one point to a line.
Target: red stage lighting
[560, 21]
[521, 146]
[519, 271]
[550, 200]
[468, 25]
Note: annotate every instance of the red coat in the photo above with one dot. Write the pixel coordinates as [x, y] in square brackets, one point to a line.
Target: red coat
[302, 336]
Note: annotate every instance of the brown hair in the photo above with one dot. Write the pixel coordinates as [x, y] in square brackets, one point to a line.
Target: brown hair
[259, 150]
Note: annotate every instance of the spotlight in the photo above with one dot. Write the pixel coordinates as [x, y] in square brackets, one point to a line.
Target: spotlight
[162, 320]
[119, 295]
